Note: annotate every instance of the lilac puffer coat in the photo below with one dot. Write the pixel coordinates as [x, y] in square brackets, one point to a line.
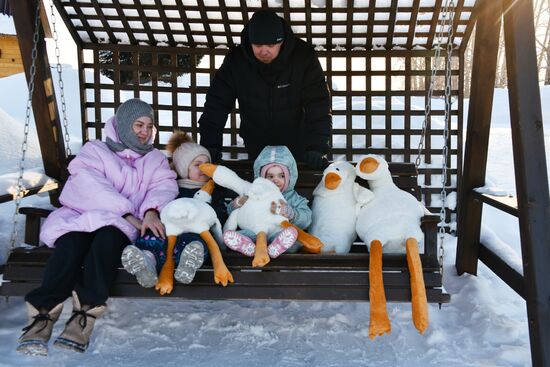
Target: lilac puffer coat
[105, 185]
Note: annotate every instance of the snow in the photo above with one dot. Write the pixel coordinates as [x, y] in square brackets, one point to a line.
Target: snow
[484, 324]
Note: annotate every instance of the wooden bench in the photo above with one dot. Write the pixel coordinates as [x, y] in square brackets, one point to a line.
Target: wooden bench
[289, 277]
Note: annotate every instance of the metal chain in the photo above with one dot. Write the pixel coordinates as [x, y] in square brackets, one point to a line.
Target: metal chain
[20, 189]
[448, 10]
[446, 142]
[61, 85]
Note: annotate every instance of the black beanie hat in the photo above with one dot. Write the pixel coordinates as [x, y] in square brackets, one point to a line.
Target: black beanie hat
[265, 28]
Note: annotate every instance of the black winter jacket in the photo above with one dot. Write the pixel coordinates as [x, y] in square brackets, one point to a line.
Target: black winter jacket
[286, 102]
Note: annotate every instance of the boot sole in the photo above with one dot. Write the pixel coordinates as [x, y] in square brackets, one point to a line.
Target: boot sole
[70, 345]
[33, 348]
[134, 262]
[191, 259]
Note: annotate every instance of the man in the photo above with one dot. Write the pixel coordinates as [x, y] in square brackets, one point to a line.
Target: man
[281, 89]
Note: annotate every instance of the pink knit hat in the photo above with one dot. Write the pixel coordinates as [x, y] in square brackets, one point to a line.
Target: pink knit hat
[286, 172]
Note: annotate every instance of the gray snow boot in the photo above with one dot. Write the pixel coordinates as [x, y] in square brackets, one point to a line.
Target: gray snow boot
[137, 263]
[35, 337]
[191, 259]
[79, 327]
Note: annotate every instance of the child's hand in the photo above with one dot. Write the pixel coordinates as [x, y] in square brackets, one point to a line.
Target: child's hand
[282, 208]
[239, 201]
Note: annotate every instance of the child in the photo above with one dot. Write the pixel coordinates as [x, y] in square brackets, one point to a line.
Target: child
[276, 164]
[145, 258]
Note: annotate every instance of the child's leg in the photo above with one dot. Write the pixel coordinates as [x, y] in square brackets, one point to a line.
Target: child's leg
[156, 246]
[283, 241]
[144, 258]
[240, 242]
[189, 255]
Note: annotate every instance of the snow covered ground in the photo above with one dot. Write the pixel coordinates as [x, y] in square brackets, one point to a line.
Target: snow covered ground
[484, 325]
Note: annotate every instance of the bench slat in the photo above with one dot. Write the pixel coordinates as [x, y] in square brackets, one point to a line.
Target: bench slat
[204, 277]
[353, 261]
[215, 292]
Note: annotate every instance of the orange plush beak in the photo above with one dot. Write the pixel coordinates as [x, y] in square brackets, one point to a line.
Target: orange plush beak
[368, 165]
[208, 169]
[332, 180]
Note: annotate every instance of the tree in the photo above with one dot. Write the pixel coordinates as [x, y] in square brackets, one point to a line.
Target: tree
[185, 63]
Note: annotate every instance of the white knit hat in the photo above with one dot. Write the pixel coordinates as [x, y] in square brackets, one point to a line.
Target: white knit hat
[184, 155]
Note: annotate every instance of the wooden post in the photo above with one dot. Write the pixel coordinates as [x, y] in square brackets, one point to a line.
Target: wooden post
[477, 136]
[44, 104]
[530, 170]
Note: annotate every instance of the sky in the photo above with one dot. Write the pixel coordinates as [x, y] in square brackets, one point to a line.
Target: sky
[485, 323]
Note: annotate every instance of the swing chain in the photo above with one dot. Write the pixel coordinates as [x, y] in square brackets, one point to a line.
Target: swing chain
[448, 10]
[20, 190]
[447, 126]
[60, 83]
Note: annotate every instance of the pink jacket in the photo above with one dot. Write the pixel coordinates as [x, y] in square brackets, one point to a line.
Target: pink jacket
[104, 185]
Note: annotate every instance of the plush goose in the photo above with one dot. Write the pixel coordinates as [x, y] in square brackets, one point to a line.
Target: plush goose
[255, 214]
[390, 220]
[192, 215]
[335, 207]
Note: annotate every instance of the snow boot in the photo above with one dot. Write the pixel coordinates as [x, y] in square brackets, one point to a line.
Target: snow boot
[191, 259]
[35, 337]
[136, 262]
[79, 327]
[284, 240]
[240, 243]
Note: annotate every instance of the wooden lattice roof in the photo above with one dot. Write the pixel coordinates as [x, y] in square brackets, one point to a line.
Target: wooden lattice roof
[327, 24]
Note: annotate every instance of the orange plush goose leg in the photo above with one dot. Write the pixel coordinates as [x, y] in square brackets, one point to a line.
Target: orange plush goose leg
[165, 284]
[418, 290]
[221, 273]
[379, 321]
[261, 256]
[311, 244]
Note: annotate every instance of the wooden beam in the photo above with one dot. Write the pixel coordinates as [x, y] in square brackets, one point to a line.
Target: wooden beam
[10, 56]
[530, 170]
[44, 104]
[500, 267]
[45, 22]
[477, 136]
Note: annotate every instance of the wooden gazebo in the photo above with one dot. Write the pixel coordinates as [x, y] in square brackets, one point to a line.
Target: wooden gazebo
[374, 54]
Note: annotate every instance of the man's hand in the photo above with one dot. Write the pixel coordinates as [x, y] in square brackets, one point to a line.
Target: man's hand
[152, 221]
[315, 160]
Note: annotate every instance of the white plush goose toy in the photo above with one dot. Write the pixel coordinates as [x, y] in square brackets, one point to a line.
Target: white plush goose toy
[390, 220]
[335, 207]
[255, 214]
[192, 215]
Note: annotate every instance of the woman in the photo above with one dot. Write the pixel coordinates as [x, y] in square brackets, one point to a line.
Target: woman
[115, 192]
